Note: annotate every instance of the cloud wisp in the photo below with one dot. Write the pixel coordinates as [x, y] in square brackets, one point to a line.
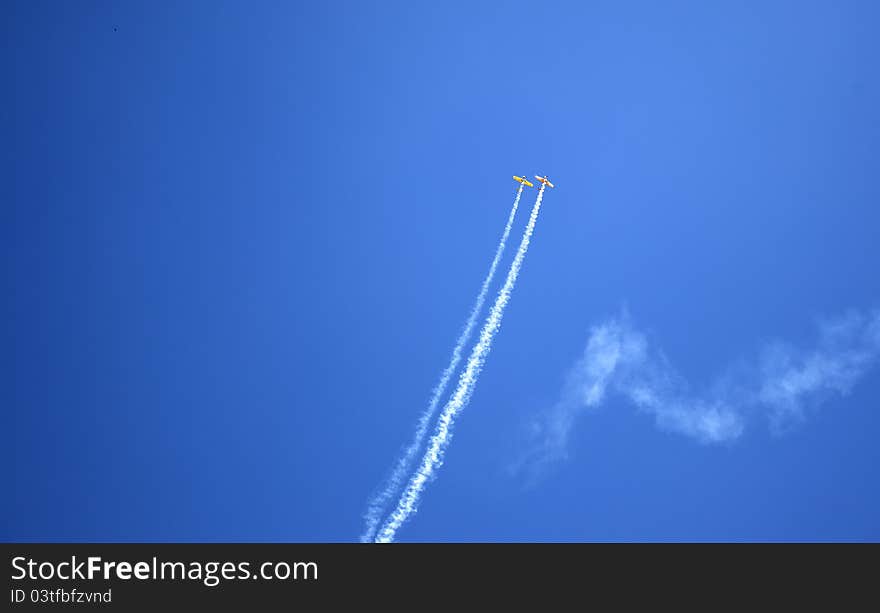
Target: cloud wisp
[378, 503]
[783, 384]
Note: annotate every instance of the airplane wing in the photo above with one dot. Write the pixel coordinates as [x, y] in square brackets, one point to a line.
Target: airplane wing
[544, 180]
[528, 183]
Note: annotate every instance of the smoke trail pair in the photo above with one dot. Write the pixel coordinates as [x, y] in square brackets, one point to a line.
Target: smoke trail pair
[392, 485]
[438, 443]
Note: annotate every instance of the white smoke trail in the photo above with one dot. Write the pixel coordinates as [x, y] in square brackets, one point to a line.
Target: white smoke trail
[438, 443]
[783, 384]
[379, 502]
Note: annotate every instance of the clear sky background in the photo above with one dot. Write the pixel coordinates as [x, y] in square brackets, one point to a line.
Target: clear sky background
[241, 239]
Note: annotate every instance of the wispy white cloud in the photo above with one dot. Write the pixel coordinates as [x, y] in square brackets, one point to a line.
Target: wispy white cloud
[784, 384]
[792, 380]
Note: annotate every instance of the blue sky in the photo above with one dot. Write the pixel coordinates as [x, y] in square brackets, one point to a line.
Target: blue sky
[242, 240]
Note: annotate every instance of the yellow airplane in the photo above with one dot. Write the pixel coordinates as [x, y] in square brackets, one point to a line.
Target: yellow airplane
[544, 180]
[522, 180]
